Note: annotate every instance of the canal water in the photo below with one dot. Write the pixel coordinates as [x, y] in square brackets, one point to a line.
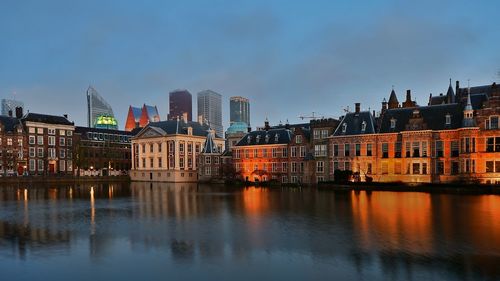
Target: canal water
[144, 231]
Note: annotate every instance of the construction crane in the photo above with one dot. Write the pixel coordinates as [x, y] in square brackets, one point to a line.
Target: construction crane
[313, 116]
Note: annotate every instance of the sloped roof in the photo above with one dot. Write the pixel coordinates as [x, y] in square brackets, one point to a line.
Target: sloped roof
[171, 127]
[49, 119]
[393, 98]
[83, 130]
[209, 146]
[435, 100]
[152, 112]
[434, 116]
[354, 123]
[136, 111]
[273, 136]
[9, 123]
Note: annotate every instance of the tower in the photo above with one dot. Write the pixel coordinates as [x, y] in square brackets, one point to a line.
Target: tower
[210, 110]
[393, 100]
[180, 102]
[468, 112]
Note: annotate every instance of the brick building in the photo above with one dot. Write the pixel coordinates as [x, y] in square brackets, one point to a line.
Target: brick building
[102, 151]
[452, 139]
[13, 151]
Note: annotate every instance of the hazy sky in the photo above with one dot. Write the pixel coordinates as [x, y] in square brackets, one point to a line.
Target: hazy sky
[288, 58]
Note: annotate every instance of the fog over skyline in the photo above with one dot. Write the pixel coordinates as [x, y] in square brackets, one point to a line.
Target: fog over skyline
[288, 58]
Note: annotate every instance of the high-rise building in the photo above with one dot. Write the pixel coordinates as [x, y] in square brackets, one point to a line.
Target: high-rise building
[98, 110]
[180, 102]
[210, 110]
[9, 107]
[239, 110]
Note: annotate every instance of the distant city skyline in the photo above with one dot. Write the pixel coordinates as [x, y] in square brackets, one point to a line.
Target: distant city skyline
[210, 110]
[309, 57]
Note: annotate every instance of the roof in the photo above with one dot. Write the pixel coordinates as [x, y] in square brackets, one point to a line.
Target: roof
[353, 123]
[263, 137]
[136, 111]
[49, 119]
[435, 100]
[83, 130]
[9, 123]
[237, 127]
[209, 147]
[433, 116]
[152, 112]
[393, 98]
[171, 127]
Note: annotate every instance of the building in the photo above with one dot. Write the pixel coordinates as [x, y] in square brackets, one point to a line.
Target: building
[239, 110]
[168, 151]
[210, 160]
[97, 108]
[210, 110]
[280, 154]
[9, 107]
[180, 102]
[452, 140]
[50, 144]
[102, 152]
[235, 132]
[321, 130]
[140, 117]
[13, 152]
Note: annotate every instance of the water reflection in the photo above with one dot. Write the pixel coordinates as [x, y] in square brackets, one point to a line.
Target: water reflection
[369, 235]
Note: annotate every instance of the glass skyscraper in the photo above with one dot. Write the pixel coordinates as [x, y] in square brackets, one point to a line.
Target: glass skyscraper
[180, 102]
[99, 112]
[210, 110]
[9, 106]
[239, 110]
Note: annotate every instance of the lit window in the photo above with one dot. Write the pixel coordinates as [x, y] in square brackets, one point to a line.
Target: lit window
[344, 128]
[393, 123]
[363, 126]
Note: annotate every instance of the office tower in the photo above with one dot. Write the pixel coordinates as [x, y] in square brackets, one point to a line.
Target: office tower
[99, 111]
[239, 110]
[180, 102]
[210, 110]
[9, 107]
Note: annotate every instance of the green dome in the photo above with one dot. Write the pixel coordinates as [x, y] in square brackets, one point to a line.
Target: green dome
[237, 127]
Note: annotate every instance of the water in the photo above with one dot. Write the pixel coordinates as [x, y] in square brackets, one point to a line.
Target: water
[148, 231]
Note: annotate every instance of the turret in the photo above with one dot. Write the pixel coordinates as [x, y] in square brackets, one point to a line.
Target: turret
[468, 112]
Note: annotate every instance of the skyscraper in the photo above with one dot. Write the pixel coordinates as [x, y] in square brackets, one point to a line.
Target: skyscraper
[210, 110]
[98, 110]
[9, 106]
[180, 102]
[239, 110]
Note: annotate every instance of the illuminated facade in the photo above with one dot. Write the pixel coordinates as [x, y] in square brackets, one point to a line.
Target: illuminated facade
[444, 142]
[97, 108]
[168, 151]
[278, 154]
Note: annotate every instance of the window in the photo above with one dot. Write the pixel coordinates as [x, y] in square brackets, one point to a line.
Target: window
[62, 165]
[62, 153]
[216, 160]
[424, 168]
[397, 150]
[151, 162]
[493, 122]
[357, 148]
[52, 153]
[32, 165]
[468, 145]
[397, 168]
[190, 162]
[416, 149]
[255, 153]
[448, 119]
[31, 140]
[320, 167]
[284, 166]
[285, 152]
[52, 140]
[197, 148]
[274, 166]
[32, 152]
[439, 148]
[344, 128]
[159, 147]
[317, 134]
[298, 139]
[368, 149]
[181, 148]
[424, 149]
[320, 150]
[369, 168]
[294, 151]
[69, 133]
[416, 168]
[407, 149]
[39, 131]
[493, 144]
[346, 149]
[454, 168]
[335, 150]
[385, 168]
[40, 165]
[62, 141]
[454, 151]
[363, 126]
[40, 140]
[9, 141]
[62, 132]
[264, 152]
[284, 179]
[347, 166]
[40, 152]
[294, 167]
[275, 152]
[324, 133]
[208, 160]
[302, 151]
[385, 150]
[31, 130]
[143, 148]
[393, 123]
[440, 167]
[181, 163]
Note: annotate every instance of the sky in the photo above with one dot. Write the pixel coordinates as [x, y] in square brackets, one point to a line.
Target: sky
[289, 58]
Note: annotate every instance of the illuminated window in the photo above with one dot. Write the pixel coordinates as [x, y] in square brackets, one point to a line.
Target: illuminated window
[344, 128]
[363, 126]
[393, 123]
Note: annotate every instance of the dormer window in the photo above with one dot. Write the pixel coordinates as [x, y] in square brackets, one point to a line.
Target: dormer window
[416, 113]
[267, 138]
[257, 139]
[448, 119]
[276, 137]
[493, 122]
[249, 139]
[393, 123]
[344, 127]
[363, 126]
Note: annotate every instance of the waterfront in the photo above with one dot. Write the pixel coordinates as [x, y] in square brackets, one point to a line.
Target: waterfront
[144, 231]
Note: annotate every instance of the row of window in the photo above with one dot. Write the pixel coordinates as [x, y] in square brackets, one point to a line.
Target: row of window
[158, 147]
[39, 165]
[108, 137]
[171, 163]
[295, 151]
[51, 153]
[295, 167]
[10, 141]
[51, 140]
[320, 134]
[50, 131]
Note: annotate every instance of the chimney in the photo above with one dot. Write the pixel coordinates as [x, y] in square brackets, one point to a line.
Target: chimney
[374, 113]
[408, 95]
[249, 129]
[10, 112]
[266, 125]
[384, 105]
[358, 107]
[457, 86]
[19, 112]
[185, 117]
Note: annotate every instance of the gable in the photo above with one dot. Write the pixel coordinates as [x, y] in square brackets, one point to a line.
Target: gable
[151, 132]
